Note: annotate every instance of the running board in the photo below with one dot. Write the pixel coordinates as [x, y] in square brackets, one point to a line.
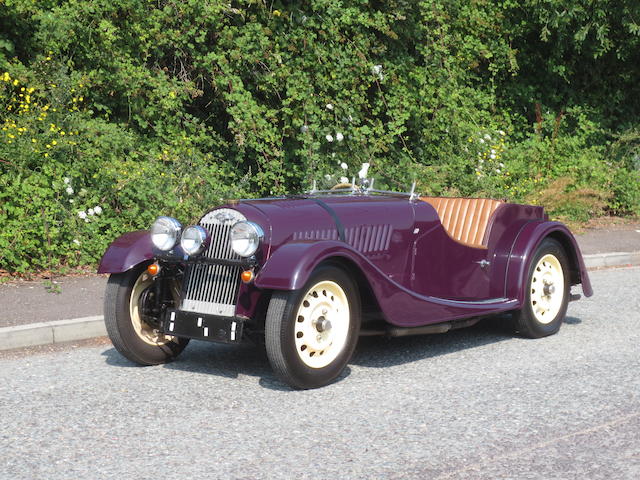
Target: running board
[424, 330]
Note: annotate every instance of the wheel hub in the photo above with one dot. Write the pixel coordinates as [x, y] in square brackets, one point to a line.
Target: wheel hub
[322, 324]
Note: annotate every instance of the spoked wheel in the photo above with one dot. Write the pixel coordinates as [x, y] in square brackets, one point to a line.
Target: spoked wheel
[547, 293]
[311, 333]
[132, 333]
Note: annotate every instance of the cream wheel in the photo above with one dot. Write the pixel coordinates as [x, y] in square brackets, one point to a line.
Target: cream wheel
[310, 334]
[547, 289]
[134, 337]
[147, 333]
[546, 292]
[322, 324]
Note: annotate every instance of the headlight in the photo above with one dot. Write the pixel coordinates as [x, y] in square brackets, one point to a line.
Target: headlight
[165, 232]
[194, 240]
[245, 238]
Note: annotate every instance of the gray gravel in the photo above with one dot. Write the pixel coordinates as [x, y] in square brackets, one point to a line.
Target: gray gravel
[477, 403]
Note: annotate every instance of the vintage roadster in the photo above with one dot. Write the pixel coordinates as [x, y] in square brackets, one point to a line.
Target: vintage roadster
[306, 275]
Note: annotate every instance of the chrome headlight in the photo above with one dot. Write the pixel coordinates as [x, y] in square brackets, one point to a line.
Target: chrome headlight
[194, 240]
[165, 232]
[245, 238]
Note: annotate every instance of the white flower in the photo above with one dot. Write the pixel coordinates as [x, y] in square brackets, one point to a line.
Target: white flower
[69, 190]
[329, 106]
[501, 132]
[82, 214]
[86, 220]
[339, 136]
[304, 128]
[350, 118]
[492, 156]
[493, 151]
[344, 166]
[71, 200]
[344, 180]
[497, 170]
[90, 211]
[363, 171]
[329, 137]
[97, 209]
[76, 241]
[487, 136]
[376, 69]
[501, 165]
[481, 161]
[67, 180]
[328, 177]
[481, 140]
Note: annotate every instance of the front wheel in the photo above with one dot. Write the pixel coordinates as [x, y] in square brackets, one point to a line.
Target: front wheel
[132, 334]
[547, 292]
[310, 334]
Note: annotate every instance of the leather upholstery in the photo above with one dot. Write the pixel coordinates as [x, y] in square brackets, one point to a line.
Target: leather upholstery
[465, 219]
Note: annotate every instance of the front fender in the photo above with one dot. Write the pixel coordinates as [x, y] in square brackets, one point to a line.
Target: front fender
[524, 247]
[126, 252]
[291, 265]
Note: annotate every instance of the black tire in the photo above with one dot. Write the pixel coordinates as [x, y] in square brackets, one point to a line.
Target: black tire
[533, 324]
[284, 331]
[126, 338]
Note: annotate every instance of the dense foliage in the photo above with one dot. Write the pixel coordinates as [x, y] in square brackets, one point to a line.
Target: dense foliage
[112, 111]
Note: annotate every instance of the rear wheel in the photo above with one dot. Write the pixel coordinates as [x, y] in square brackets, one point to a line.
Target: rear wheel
[311, 333]
[547, 292]
[133, 333]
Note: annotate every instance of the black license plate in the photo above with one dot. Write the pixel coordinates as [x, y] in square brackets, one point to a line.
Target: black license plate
[203, 327]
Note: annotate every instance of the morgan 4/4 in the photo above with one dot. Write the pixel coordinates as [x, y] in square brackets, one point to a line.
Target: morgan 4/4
[307, 275]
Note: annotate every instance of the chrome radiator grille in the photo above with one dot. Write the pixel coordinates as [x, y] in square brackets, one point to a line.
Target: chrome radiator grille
[213, 289]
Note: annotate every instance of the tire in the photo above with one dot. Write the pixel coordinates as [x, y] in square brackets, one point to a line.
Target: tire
[311, 333]
[547, 292]
[131, 336]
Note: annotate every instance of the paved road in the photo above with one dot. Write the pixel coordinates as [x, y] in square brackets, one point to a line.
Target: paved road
[477, 404]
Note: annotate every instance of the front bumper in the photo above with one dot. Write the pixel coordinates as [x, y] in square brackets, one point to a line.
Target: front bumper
[199, 326]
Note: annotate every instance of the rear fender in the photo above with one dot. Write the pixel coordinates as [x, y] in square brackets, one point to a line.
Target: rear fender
[524, 247]
[126, 252]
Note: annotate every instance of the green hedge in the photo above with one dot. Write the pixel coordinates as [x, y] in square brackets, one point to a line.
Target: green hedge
[146, 107]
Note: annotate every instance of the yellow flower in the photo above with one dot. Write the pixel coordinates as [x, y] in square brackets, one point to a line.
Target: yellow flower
[277, 13]
[33, 140]
[54, 143]
[46, 154]
[16, 82]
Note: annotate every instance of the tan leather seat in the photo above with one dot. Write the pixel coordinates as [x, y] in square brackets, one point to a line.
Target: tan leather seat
[465, 219]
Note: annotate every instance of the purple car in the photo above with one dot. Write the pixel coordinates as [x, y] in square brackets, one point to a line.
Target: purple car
[307, 275]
